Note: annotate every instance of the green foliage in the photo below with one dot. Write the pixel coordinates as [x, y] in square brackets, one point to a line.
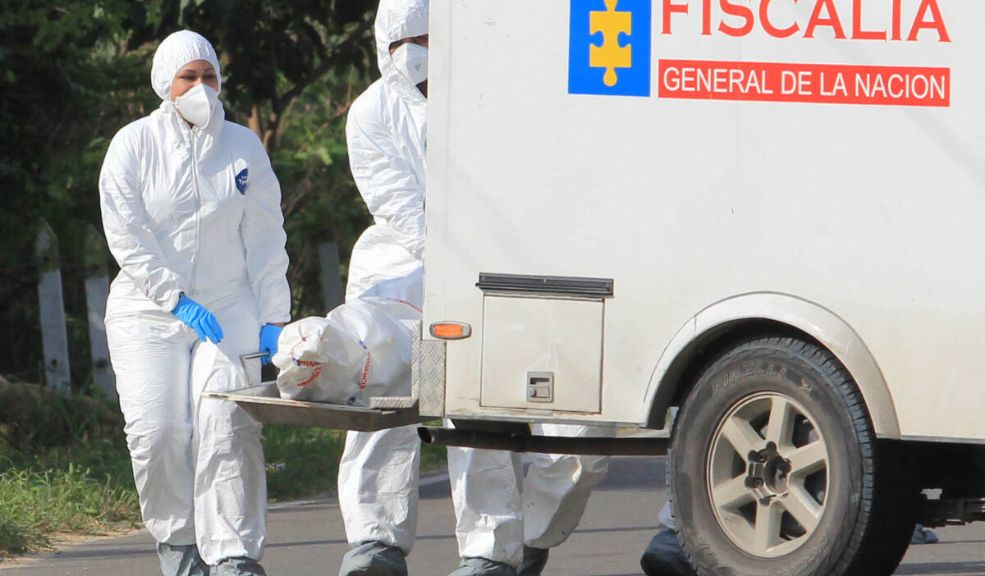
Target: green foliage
[82, 482]
[34, 419]
[301, 461]
[433, 458]
[273, 51]
[73, 72]
[68, 500]
[15, 538]
[85, 487]
[66, 85]
[320, 200]
[64, 467]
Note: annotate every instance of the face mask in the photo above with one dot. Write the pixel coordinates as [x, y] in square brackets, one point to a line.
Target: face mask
[196, 105]
[411, 60]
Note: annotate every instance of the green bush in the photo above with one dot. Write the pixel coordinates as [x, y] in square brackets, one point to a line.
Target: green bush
[34, 419]
[36, 502]
[69, 500]
[15, 538]
[301, 461]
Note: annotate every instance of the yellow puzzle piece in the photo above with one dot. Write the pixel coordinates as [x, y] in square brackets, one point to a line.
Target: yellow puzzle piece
[610, 55]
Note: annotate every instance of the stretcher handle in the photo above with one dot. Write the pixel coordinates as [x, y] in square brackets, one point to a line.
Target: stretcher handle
[244, 358]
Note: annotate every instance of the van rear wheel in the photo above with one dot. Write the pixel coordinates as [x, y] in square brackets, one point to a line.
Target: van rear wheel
[776, 469]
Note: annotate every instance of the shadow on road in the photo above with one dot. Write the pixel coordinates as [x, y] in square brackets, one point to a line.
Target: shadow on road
[628, 473]
[942, 568]
[300, 543]
[101, 553]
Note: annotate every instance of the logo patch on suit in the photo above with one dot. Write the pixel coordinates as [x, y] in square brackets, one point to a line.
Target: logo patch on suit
[241, 180]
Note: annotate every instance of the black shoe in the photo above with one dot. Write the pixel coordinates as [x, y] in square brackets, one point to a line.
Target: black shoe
[534, 560]
[664, 557]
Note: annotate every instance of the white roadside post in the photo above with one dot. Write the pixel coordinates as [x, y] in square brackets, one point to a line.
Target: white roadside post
[52, 310]
[331, 282]
[97, 290]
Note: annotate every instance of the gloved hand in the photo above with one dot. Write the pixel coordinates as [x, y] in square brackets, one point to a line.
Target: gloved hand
[199, 319]
[269, 335]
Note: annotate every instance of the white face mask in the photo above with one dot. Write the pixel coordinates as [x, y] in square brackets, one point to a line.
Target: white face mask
[196, 104]
[411, 60]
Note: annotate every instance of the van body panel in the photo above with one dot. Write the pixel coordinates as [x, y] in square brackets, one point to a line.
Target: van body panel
[857, 223]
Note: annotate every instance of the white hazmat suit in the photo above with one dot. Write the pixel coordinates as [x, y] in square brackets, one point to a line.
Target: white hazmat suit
[499, 509]
[378, 474]
[386, 134]
[192, 211]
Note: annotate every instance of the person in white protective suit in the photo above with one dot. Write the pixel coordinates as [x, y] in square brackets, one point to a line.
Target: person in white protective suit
[663, 555]
[378, 473]
[512, 518]
[386, 135]
[191, 211]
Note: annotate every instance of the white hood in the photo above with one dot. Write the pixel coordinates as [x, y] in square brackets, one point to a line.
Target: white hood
[172, 54]
[396, 20]
[175, 51]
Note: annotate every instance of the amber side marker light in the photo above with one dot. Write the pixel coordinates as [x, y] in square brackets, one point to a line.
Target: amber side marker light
[451, 330]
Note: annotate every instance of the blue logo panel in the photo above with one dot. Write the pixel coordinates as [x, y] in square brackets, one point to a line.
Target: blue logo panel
[242, 180]
[610, 47]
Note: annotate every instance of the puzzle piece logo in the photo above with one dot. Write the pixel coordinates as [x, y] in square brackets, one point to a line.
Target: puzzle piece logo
[611, 25]
[610, 47]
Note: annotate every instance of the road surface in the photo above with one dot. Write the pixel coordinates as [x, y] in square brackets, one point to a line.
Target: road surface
[307, 539]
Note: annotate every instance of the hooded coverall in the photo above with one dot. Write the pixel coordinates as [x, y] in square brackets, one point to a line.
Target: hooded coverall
[194, 211]
[378, 474]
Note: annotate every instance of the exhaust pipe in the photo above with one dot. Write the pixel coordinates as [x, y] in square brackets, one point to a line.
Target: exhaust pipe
[579, 446]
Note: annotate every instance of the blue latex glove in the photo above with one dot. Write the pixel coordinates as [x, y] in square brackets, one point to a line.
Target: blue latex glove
[269, 335]
[198, 319]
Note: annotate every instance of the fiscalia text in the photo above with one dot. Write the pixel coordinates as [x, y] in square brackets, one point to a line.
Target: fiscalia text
[739, 18]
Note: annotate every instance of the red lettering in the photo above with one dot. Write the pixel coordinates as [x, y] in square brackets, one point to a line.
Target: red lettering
[897, 20]
[935, 23]
[857, 32]
[831, 20]
[764, 16]
[738, 18]
[669, 9]
[743, 12]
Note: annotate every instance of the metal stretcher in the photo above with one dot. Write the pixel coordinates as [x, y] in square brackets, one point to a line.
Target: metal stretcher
[264, 404]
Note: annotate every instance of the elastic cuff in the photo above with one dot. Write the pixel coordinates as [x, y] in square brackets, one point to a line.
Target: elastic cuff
[171, 300]
[275, 319]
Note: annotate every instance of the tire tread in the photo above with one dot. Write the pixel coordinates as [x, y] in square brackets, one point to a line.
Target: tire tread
[881, 533]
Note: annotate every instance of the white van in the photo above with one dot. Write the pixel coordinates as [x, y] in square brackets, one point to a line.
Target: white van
[766, 214]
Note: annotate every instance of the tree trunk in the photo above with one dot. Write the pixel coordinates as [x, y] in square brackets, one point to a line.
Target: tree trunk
[255, 123]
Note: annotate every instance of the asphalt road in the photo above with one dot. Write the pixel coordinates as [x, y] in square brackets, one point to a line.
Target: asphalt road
[307, 539]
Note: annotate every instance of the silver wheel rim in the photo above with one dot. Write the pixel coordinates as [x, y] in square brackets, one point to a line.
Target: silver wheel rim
[768, 475]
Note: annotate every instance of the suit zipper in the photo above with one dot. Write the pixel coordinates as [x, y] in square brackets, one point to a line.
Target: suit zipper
[198, 211]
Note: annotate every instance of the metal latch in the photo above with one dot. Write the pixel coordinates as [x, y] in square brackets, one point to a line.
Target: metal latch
[540, 387]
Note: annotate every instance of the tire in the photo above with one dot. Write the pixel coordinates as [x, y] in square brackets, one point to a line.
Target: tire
[775, 469]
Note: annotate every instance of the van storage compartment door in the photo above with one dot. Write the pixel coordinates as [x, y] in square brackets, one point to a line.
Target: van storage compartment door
[542, 353]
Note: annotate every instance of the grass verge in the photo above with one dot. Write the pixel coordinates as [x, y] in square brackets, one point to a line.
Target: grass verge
[87, 487]
[304, 462]
[86, 490]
